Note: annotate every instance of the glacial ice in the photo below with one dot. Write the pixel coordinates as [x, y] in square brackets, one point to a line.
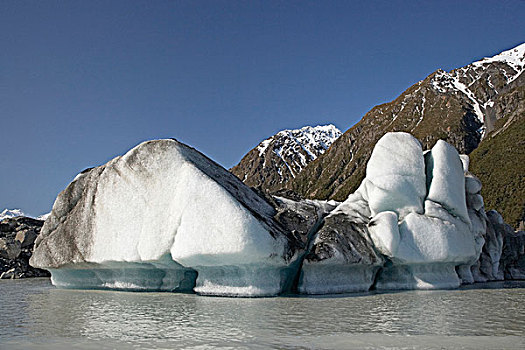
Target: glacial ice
[444, 171]
[429, 244]
[396, 173]
[342, 257]
[162, 275]
[333, 278]
[164, 199]
[406, 226]
[384, 232]
[164, 217]
[426, 239]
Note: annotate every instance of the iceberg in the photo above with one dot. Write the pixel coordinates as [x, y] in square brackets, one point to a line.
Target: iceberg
[431, 245]
[341, 257]
[406, 227]
[164, 217]
[157, 216]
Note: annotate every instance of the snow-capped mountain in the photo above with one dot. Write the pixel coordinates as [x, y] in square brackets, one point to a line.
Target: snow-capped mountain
[484, 100]
[11, 213]
[281, 157]
[482, 82]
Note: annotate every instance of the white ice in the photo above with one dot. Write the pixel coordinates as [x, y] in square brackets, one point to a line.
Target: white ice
[428, 245]
[418, 222]
[165, 199]
[164, 217]
[447, 180]
[384, 232]
[396, 173]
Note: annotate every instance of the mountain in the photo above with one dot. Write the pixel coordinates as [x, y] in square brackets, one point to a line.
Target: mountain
[499, 162]
[459, 107]
[479, 103]
[280, 158]
[11, 213]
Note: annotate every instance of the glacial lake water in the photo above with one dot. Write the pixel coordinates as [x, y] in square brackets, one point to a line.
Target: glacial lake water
[36, 315]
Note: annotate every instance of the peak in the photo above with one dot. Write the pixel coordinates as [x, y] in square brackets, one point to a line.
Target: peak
[297, 147]
[311, 129]
[307, 134]
[514, 57]
[11, 213]
[518, 51]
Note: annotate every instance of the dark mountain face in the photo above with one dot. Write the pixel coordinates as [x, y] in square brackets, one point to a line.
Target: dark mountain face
[280, 158]
[499, 162]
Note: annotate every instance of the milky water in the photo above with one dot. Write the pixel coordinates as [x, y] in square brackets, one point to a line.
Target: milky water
[34, 314]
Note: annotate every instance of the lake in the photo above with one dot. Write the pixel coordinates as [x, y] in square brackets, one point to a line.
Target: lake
[36, 315]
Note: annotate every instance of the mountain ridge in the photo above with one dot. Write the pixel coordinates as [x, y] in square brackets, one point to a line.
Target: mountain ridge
[463, 107]
[13, 213]
[281, 157]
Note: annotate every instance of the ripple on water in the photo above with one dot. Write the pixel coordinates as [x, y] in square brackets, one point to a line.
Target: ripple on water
[34, 312]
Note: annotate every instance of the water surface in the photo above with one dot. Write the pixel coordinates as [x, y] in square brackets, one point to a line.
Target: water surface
[37, 315]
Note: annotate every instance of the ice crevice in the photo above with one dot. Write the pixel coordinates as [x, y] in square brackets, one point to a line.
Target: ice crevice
[297, 265]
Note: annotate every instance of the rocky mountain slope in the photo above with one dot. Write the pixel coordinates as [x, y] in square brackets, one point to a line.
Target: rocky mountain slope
[459, 107]
[499, 162]
[280, 158]
[463, 107]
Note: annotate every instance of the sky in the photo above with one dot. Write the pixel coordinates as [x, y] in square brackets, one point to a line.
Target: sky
[84, 81]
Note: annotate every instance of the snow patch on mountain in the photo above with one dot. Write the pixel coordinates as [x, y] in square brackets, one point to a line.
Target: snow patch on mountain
[463, 79]
[515, 58]
[263, 146]
[300, 146]
[13, 213]
[444, 81]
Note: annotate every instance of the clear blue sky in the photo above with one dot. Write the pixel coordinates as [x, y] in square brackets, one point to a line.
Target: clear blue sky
[84, 81]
